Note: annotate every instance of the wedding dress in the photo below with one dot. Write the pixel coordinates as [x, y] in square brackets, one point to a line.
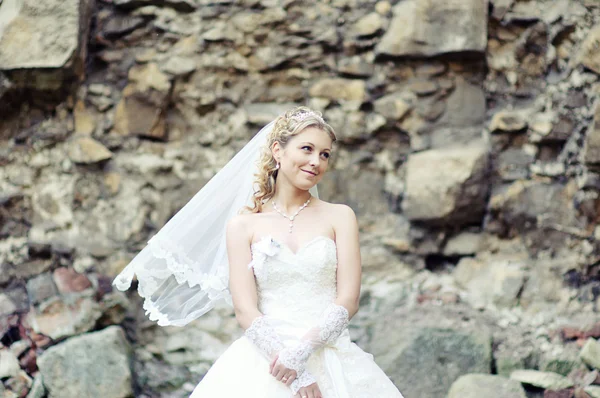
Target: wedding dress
[293, 291]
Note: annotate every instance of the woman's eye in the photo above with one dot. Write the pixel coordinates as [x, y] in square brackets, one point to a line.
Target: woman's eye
[307, 148]
[326, 155]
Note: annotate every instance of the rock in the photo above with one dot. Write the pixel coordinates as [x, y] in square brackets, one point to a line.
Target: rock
[9, 364]
[7, 307]
[56, 33]
[426, 361]
[593, 391]
[507, 122]
[514, 164]
[588, 54]
[19, 383]
[368, 25]
[590, 353]
[142, 108]
[69, 281]
[393, 106]
[264, 113]
[483, 385]
[463, 244]
[179, 66]
[86, 150]
[459, 26]
[37, 388]
[562, 360]
[339, 89]
[58, 318]
[423, 87]
[41, 288]
[121, 25]
[592, 140]
[547, 380]
[446, 186]
[465, 106]
[91, 365]
[496, 283]
[355, 66]
[514, 354]
[84, 119]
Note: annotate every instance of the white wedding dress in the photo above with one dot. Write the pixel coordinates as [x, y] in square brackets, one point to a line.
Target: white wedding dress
[293, 291]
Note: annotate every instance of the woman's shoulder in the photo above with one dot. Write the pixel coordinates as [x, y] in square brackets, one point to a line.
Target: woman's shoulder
[337, 210]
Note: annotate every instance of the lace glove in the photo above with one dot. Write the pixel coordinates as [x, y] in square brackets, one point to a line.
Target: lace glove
[263, 336]
[333, 322]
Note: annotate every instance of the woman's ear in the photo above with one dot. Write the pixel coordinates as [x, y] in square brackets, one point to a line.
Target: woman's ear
[276, 151]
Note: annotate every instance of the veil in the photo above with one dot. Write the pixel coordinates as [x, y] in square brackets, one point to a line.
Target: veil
[183, 270]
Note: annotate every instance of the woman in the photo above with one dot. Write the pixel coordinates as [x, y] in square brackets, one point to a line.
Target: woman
[294, 277]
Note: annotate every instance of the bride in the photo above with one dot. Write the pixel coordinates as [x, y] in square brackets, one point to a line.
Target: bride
[258, 237]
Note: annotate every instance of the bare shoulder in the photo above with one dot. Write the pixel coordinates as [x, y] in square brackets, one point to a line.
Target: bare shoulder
[340, 213]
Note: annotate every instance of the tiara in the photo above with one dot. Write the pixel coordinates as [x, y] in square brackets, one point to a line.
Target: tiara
[302, 115]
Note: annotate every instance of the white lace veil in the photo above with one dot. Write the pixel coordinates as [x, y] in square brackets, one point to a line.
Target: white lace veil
[183, 271]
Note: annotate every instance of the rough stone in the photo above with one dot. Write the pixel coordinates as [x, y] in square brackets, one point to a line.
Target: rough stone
[92, 365]
[42, 44]
[87, 150]
[459, 26]
[426, 361]
[9, 364]
[593, 391]
[490, 283]
[37, 388]
[339, 89]
[547, 380]
[393, 106]
[59, 318]
[69, 281]
[592, 139]
[41, 288]
[588, 55]
[483, 385]
[590, 353]
[368, 25]
[181, 5]
[507, 122]
[463, 244]
[446, 185]
[141, 110]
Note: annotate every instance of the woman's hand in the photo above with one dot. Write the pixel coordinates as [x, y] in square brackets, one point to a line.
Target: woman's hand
[281, 373]
[311, 391]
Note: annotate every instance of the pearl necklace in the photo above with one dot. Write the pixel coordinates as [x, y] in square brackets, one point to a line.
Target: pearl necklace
[291, 218]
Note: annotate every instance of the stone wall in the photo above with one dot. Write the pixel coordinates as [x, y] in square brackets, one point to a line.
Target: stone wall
[469, 147]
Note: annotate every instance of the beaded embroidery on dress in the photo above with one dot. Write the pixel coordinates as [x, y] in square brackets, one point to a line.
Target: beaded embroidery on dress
[294, 289]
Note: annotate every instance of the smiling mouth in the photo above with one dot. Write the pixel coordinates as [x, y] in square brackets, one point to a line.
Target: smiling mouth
[309, 172]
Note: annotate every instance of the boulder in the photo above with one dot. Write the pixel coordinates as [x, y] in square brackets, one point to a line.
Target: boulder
[339, 89]
[425, 362]
[43, 44]
[446, 186]
[546, 380]
[482, 385]
[588, 54]
[592, 140]
[92, 365]
[142, 108]
[590, 353]
[449, 27]
[86, 150]
[495, 283]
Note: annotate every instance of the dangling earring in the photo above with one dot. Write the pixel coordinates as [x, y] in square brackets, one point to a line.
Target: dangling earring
[277, 167]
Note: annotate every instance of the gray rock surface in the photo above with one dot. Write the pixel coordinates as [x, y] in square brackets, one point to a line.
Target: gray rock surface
[482, 385]
[92, 365]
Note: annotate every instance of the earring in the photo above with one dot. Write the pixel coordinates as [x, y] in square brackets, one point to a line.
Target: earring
[277, 167]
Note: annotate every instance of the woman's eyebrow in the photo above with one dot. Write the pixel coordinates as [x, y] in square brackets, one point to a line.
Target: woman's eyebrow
[311, 144]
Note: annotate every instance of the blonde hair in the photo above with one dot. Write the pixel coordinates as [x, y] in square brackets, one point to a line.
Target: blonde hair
[286, 126]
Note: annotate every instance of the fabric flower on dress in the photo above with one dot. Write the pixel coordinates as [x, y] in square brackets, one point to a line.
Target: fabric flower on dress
[266, 247]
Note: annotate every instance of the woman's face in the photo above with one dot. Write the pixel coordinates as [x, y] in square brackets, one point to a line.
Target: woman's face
[305, 158]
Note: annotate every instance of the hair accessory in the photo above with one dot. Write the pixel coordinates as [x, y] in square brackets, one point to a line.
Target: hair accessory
[302, 115]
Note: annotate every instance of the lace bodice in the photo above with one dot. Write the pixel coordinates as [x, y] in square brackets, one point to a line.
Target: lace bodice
[295, 287]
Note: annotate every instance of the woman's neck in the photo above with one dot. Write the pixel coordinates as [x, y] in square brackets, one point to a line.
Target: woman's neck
[288, 201]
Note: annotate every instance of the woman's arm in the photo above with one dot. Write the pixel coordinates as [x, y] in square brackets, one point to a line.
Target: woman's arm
[241, 278]
[349, 261]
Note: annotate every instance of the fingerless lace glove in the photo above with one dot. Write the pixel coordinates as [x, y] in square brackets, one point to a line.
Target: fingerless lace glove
[263, 336]
[333, 322]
